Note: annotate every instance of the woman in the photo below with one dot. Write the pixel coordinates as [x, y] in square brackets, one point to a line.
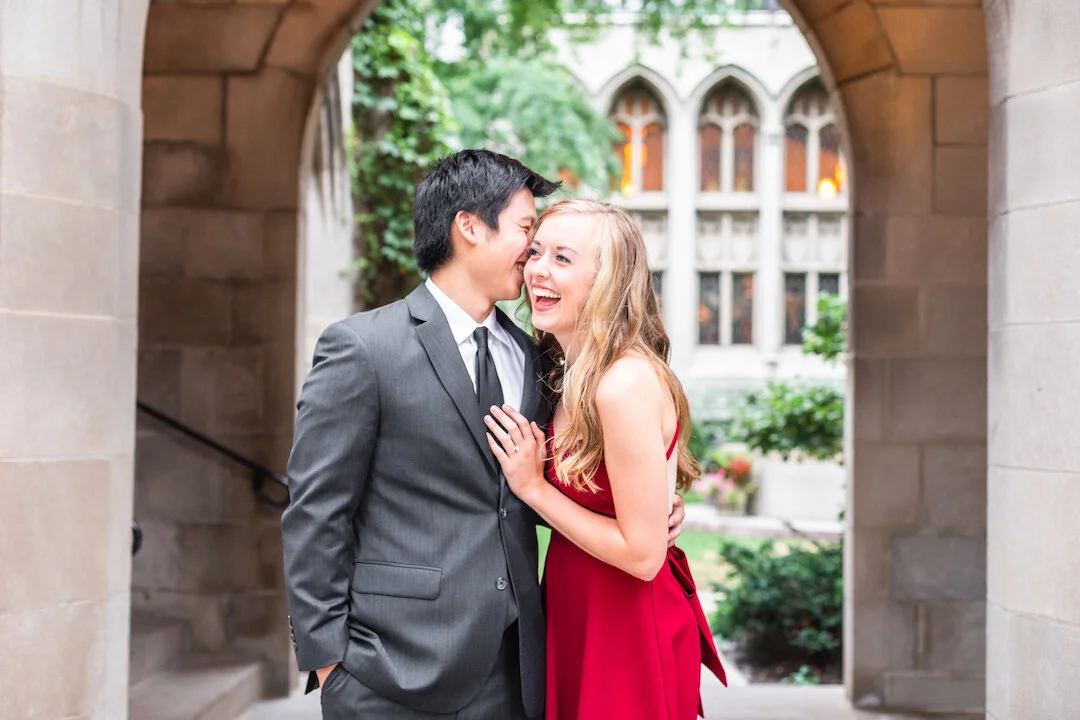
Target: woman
[626, 636]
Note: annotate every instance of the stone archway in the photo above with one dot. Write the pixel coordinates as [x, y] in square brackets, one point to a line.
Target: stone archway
[226, 93]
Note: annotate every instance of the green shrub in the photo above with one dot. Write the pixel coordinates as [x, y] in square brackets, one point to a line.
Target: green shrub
[783, 606]
[792, 418]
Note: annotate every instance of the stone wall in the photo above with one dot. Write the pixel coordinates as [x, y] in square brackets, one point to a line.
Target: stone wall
[69, 204]
[1034, 495]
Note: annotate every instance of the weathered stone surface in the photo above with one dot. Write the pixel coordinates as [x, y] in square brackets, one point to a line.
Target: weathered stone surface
[185, 312]
[954, 489]
[59, 142]
[1035, 44]
[955, 638]
[936, 248]
[885, 320]
[223, 389]
[937, 399]
[885, 637]
[942, 40]
[961, 109]
[891, 125]
[304, 38]
[1034, 397]
[954, 320]
[60, 257]
[938, 567]
[181, 174]
[885, 492]
[935, 692]
[867, 386]
[960, 180]
[210, 38]
[853, 41]
[264, 157]
[184, 108]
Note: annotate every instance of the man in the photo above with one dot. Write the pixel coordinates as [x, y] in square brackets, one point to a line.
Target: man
[410, 567]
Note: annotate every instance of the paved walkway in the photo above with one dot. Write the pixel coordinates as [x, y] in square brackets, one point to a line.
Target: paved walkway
[754, 702]
[705, 517]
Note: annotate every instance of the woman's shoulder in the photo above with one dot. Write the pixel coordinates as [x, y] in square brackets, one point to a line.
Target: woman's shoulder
[630, 380]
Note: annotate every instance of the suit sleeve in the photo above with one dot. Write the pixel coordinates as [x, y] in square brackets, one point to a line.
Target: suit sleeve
[336, 426]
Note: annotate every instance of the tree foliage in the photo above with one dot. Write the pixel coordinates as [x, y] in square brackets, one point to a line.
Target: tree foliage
[827, 338]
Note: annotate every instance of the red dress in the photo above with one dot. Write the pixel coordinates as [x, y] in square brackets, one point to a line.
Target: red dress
[621, 648]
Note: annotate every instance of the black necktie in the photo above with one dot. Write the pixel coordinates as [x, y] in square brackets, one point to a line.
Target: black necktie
[488, 388]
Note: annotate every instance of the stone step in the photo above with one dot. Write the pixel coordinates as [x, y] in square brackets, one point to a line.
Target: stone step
[201, 687]
[157, 644]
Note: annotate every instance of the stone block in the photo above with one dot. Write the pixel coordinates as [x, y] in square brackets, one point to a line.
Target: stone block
[815, 10]
[265, 312]
[121, 512]
[63, 143]
[204, 613]
[1039, 171]
[868, 384]
[1035, 42]
[212, 38]
[960, 180]
[961, 109]
[955, 638]
[265, 118]
[54, 532]
[885, 487]
[1034, 396]
[223, 389]
[159, 379]
[936, 248]
[936, 40]
[282, 245]
[866, 572]
[935, 399]
[128, 294]
[1032, 664]
[176, 479]
[223, 245]
[934, 692]
[853, 42]
[1031, 515]
[891, 124]
[185, 312]
[954, 320]
[303, 38]
[884, 637]
[868, 259]
[954, 489]
[84, 370]
[938, 568]
[184, 108]
[1034, 265]
[70, 641]
[185, 174]
[161, 247]
[60, 257]
[885, 320]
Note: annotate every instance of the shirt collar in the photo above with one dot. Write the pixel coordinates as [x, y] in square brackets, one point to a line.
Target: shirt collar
[461, 323]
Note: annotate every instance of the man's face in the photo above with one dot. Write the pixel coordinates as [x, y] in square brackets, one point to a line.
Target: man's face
[500, 259]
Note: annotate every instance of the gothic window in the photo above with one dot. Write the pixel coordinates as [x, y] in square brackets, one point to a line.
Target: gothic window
[727, 140]
[813, 162]
[640, 120]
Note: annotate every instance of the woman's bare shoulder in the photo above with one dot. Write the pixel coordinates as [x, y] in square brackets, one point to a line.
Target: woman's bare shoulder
[631, 382]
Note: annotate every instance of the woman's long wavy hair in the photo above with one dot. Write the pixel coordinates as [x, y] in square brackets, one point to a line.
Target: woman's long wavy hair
[620, 316]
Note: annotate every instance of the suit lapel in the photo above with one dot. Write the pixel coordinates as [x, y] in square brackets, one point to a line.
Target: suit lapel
[434, 334]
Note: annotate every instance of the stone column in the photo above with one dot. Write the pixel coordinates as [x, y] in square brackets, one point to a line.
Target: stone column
[770, 236]
[681, 285]
[1033, 603]
[70, 129]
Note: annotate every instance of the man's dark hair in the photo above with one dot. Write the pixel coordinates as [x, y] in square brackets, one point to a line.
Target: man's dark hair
[480, 182]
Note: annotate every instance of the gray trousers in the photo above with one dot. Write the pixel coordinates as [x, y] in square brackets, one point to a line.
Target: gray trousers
[346, 698]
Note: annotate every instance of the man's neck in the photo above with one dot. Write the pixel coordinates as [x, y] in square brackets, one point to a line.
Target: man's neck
[457, 287]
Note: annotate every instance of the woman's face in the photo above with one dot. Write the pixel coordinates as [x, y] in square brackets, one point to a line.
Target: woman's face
[559, 273]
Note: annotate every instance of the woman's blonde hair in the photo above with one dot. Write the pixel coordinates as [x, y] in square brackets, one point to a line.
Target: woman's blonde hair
[620, 316]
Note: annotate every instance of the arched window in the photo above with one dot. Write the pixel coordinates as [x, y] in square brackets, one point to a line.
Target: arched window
[727, 138]
[640, 120]
[813, 162]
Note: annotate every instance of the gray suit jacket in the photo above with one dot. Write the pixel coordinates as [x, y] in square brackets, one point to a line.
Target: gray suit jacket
[402, 542]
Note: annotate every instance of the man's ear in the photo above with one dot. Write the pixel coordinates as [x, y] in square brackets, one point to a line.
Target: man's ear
[467, 227]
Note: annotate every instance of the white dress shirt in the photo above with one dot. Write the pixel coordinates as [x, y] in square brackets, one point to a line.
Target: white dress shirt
[508, 355]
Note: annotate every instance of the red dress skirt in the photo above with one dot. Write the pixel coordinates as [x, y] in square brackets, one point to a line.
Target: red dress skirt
[618, 647]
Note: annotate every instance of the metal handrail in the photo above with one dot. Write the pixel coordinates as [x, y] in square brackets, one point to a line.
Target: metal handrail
[260, 475]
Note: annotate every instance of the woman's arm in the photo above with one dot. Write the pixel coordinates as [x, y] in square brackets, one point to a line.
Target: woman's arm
[632, 404]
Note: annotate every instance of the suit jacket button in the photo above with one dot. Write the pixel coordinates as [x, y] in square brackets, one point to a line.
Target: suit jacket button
[502, 512]
[501, 584]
